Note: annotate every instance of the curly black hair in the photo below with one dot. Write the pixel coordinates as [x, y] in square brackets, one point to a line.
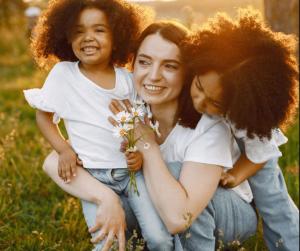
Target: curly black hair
[258, 69]
[54, 27]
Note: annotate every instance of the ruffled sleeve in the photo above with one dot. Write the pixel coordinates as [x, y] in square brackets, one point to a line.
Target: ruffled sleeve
[51, 97]
[261, 150]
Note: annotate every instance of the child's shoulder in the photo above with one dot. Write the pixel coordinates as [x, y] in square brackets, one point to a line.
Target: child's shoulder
[63, 65]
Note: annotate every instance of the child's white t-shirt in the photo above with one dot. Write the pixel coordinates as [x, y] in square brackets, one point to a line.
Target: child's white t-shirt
[210, 142]
[84, 107]
[260, 150]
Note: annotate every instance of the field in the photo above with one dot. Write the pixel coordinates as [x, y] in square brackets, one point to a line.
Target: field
[34, 213]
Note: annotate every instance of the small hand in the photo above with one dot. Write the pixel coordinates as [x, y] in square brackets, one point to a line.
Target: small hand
[67, 164]
[134, 160]
[228, 180]
[110, 220]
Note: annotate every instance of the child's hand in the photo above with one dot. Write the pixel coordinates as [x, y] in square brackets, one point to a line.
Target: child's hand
[67, 162]
[228, 180]
[134, 160]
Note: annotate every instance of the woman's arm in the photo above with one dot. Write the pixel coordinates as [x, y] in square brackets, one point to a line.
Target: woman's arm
[110, 216]
[179, 203]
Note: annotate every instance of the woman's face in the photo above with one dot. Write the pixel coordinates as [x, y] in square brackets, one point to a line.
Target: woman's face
[158, 71]
[206, 93]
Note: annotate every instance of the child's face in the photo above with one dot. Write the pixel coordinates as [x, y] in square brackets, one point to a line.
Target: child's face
[206, 92]
[158, 71]
[92, 38]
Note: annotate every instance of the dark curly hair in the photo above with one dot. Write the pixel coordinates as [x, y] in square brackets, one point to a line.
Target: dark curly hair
[175, 32]
[257, 66]
[54, 28]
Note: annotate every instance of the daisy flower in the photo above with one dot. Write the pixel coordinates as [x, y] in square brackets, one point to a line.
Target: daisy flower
[123, 117]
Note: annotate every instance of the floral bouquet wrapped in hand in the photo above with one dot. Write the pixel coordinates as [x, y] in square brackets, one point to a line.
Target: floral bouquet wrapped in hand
[125, 128]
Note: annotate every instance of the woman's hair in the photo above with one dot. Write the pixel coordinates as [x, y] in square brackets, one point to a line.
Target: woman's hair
[174, 32]
[257, 66]
[56, 24]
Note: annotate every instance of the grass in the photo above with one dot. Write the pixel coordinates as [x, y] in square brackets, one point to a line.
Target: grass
[34, 213]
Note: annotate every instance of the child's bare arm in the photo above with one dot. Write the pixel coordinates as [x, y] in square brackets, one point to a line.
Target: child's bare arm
[134, 160]
[67, 156]
[242, 170]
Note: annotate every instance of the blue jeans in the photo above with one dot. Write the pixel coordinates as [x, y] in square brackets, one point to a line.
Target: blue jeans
[153, 229]
[227, 218]
[279, 213]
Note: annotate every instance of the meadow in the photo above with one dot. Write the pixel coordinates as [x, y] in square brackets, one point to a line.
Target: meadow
[35, 214]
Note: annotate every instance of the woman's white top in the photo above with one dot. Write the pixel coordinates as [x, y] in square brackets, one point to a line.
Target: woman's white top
[211, 142]
[83, 105]
[260, 150]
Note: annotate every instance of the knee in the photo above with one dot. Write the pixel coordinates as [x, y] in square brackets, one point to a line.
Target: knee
[50, 163]
[160, 242]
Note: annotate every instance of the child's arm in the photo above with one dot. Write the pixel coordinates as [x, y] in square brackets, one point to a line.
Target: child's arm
[242, 170]
[67, 156]
[134, 160]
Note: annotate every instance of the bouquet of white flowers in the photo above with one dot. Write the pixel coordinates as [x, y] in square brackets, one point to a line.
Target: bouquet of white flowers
[125, 129]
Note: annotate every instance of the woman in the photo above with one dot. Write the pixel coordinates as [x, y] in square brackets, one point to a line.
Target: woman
[159, 76]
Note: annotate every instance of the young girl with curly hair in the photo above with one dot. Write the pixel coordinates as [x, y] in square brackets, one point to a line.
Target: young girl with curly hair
[248, 74]
[92, 39]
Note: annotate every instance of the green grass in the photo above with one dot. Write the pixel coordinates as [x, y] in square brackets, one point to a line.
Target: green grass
[34, 213]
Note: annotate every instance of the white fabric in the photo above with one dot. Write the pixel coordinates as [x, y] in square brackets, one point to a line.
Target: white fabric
[260, 150]
[84, 107]
[210, 142]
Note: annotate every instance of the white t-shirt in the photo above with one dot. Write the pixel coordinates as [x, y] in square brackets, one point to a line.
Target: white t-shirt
[83, 106]
[260, 150]
[211, 142]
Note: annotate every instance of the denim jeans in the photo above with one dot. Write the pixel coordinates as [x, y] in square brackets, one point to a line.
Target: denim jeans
[153, 229]
[279, 213]
[227, 218]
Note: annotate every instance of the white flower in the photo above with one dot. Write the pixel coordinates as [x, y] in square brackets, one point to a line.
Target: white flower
[123, 117]
[137, 112]
[121, 130]
[132, 149]
[155, 127]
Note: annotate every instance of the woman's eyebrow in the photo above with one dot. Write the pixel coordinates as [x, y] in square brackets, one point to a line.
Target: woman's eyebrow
[174, 61]
[144, 56]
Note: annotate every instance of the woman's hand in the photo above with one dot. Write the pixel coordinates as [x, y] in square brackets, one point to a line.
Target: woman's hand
[110, 220]
[143, 131]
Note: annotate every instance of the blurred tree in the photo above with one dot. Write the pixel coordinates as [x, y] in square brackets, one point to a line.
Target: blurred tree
[283, 15]
[9, 9]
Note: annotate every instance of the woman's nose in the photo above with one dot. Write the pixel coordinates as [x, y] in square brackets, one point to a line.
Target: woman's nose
[155, 73]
